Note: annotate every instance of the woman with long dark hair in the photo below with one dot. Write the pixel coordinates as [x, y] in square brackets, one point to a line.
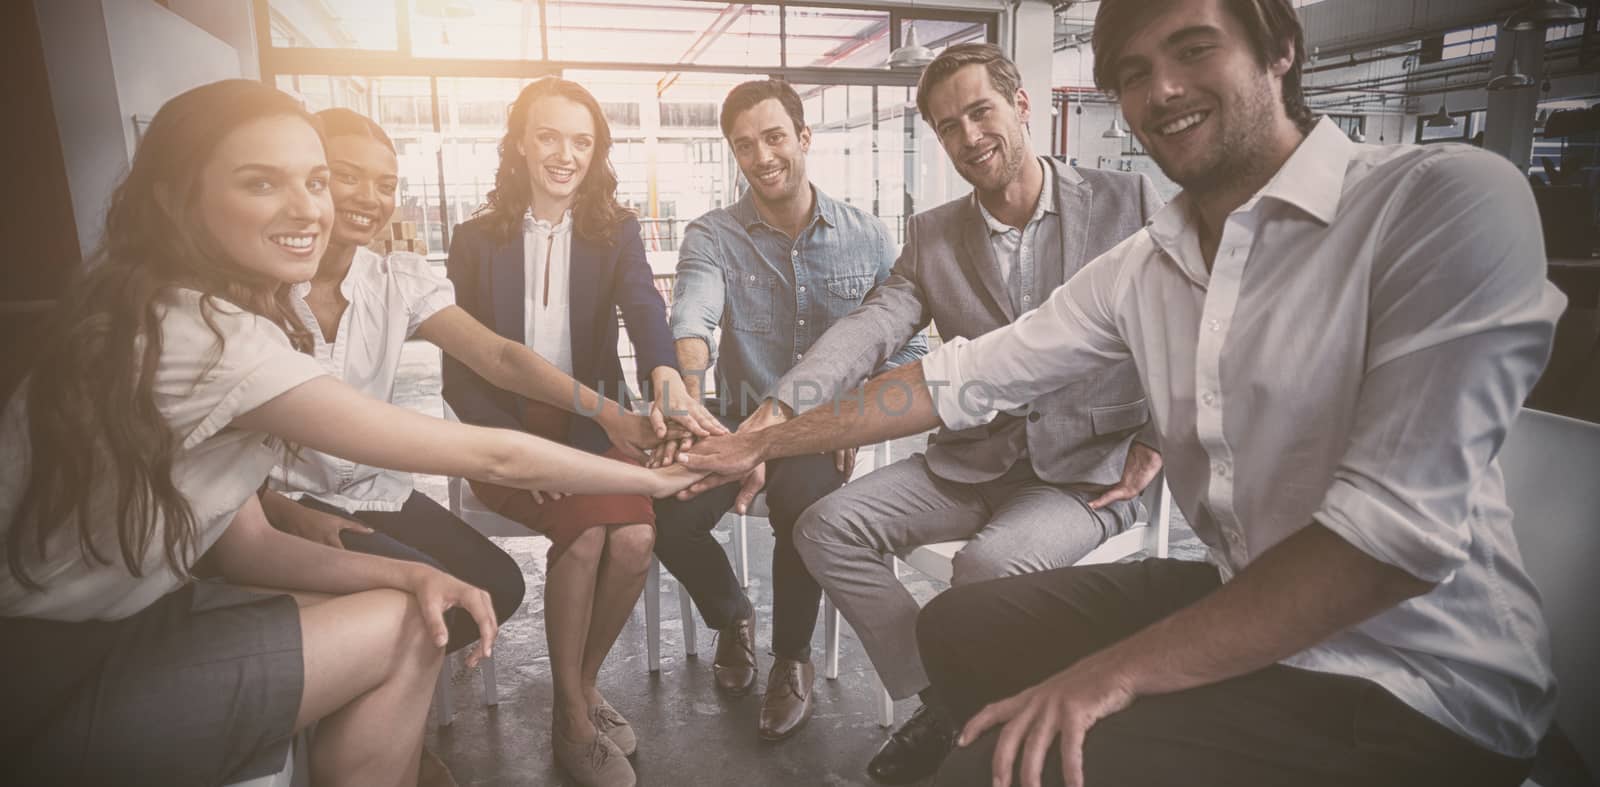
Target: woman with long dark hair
[549, 263]
[139, 642]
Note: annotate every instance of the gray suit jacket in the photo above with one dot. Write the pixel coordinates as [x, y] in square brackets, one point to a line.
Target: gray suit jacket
[947, 273]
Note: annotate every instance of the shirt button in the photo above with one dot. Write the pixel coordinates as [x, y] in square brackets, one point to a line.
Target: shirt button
[797, 356]
[794, 253]
[802, 289]
[752, 278]
[1209, 398]
[1233, 538]
[800, 322]
[1220, 469]
[1216, 325]
[1034, 416]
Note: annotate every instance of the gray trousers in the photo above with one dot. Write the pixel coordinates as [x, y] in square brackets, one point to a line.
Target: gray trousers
[1017, 524]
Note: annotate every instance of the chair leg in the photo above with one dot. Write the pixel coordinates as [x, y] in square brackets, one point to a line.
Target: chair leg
[885, 707]
[443, 711]
[652, 615]
[830, 626]
[686, 614]
[1163, 528]
[743, 554]
[491, 687]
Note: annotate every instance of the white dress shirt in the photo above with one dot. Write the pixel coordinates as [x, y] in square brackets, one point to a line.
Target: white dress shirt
[547, 315]
[1372, 321]
[200, 386]
[389, 298]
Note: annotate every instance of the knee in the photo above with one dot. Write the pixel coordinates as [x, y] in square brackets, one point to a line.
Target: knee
[587, 547]
[942, 622]
[506, 586]
[976, 564]
[413, 644]
[825, 522]
[630, 546]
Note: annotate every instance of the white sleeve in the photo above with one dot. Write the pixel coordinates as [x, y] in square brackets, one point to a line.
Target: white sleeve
[1460, 326]
[204, 382]
[1073, 332]
[424, 291]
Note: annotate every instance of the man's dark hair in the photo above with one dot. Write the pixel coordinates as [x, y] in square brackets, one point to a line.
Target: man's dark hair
[1002, 72]
[749, 94]
[1270, 24]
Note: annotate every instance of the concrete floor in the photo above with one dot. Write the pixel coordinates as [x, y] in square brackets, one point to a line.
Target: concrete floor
[689, 734]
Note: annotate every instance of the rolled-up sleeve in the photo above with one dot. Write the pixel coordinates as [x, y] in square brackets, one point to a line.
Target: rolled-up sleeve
[424, 292]
[1074, 332]
[1460, 328]
[699, 293]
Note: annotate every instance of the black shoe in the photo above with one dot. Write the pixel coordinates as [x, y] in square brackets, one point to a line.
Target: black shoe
[915, 750]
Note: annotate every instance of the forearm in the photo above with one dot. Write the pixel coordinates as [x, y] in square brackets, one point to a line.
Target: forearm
[523, 371]
[278, 508]
[694, 356]
[894, 404]
[1299, 593]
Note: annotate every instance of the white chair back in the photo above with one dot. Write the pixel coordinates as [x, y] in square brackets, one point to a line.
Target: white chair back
[1552, 470]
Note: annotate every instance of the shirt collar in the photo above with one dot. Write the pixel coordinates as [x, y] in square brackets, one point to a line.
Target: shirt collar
[1046, 204]
[529, 222]
[1312, 180]
[823, 208]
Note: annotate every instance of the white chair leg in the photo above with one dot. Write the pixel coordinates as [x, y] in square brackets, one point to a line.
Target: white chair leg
[652, 615]
[491, 688]
[830, 627]
[1163, 523]
[885, 707]
[686, 614]
[742, 556]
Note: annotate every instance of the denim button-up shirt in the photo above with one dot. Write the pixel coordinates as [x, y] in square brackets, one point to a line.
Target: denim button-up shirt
[773, 295]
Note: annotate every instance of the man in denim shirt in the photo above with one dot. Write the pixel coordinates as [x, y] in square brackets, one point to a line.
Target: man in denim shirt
[773, 271]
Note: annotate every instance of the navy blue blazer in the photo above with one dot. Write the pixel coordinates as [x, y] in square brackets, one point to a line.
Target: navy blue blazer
[606, 278]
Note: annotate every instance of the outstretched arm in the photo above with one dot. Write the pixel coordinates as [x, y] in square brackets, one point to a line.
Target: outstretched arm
[514, 367]
[326, 415]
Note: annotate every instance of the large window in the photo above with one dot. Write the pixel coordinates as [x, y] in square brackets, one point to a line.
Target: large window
[440, 75]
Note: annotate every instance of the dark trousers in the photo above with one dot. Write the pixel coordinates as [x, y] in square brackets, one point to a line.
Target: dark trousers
[1277, 726]
[423, 531]
[686, 548]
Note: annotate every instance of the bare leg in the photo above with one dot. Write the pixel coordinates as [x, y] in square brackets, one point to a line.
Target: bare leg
[620, 579]
[569, 603]
[370, 668]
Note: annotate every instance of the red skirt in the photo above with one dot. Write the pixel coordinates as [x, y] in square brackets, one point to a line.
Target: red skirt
[562, 521]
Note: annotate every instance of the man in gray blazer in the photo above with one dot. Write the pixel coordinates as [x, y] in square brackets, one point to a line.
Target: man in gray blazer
[1033, 490]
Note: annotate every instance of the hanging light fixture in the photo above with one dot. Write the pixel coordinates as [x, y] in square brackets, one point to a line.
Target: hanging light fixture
[1441, 119]
[1540, 14]
[911, 54]
[1115, 132]
[1511, 79]
[1356, 136]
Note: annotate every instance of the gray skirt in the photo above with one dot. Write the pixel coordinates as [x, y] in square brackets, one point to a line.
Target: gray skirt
[200, 688]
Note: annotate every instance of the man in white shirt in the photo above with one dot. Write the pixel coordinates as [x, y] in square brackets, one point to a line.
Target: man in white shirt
[1335, 339]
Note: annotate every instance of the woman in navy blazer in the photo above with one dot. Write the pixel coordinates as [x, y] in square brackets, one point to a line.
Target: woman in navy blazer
[549, 262]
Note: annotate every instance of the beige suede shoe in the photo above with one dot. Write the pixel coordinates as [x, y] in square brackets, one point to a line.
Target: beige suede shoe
[596, 763]
[611, 724]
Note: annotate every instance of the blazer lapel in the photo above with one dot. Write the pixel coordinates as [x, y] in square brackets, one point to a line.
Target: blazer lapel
[583, 303]
[981, 259]
[509, 295]
[1074, 201]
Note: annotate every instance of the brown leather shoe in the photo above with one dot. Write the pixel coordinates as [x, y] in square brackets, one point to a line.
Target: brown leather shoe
[787, 703]
[735, 664]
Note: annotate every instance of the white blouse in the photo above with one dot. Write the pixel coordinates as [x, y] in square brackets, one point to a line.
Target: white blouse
[389, 298]
[200, 388]
[547, 314]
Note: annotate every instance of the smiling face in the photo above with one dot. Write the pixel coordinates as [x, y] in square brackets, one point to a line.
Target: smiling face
[264, 198]
[557, 145]
[1198, 98]
[771, 152]
[366, 176]
[980, 129]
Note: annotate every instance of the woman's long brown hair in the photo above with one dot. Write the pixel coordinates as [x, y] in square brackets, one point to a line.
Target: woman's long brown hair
[92, 415]
[596, 213]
